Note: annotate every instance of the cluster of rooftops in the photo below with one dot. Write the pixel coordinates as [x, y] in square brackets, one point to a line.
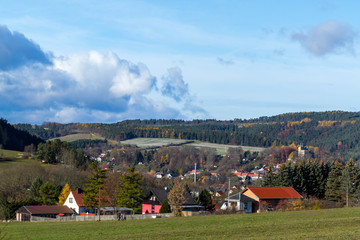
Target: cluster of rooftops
[249, 200]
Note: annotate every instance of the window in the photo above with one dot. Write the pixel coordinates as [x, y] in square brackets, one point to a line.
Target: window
[71, 200]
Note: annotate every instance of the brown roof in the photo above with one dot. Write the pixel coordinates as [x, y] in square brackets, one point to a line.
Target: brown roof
[78, 198]
[275, 192]
[48, 209]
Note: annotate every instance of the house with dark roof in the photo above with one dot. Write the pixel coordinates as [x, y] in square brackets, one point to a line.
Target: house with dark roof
[268, 198]
[155, 198]
[26, 213]
[238, 202]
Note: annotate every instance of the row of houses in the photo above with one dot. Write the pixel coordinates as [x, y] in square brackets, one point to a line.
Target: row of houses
[249, 200]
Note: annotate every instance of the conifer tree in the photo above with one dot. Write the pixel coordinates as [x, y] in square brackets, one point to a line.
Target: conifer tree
[165, 207]
[351, 181]
[93, 187]
[206, 200]
[64, 194]
[334, 182]
[35, 190]
[270, 179]
[284, 176]
[129, 192]
[48, 194]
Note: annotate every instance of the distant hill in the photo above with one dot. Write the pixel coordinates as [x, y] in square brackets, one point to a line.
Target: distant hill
[335, 131]
[15, 139]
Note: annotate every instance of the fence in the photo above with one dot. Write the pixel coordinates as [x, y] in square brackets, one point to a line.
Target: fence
[96, 218]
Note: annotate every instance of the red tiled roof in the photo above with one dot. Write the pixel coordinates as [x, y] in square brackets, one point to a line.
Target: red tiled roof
[78, 198]
[48, 209]
[275, 192]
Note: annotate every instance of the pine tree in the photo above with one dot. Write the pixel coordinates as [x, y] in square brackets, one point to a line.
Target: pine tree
[284, 175]
[129, 192]
[334, 182]
[64, 194]
[165, 207]
[351, 181]
[35, 190]
[94, 185]
[176, 198]
[48, 194]
[205, 200]
[270, 179]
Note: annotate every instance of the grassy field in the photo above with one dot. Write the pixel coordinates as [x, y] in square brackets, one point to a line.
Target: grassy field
[161, 142]
[8, 157]
[153, 142]
[222, 148]
[316, 224]
[79, 136]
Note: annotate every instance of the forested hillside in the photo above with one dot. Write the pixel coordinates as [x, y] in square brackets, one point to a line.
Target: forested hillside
[15, 139]
[335, 131]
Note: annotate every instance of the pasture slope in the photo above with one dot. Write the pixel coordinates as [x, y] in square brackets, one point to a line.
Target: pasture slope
[162, 142]
[311, 224]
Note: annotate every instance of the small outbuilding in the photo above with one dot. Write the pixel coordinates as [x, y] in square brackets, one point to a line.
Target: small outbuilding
[268, 198]
[26, 213]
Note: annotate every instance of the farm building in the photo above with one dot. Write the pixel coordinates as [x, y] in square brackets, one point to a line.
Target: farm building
[26, 213]
[268, 198]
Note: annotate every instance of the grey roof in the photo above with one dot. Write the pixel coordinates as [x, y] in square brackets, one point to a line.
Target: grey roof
[162, 194]
[242, 197]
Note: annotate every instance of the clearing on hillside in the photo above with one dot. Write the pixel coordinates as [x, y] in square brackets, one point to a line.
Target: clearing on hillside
[162, 142]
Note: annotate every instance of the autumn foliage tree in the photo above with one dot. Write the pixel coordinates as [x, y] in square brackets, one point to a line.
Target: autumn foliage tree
[177, 198]
[64, 194]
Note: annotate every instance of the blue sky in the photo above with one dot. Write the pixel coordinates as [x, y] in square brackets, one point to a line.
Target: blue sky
[107, 61]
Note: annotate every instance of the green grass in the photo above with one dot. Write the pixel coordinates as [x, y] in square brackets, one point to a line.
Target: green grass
[316, 224]
[79, 136]
[153, 142]
[161, 142]
[9, 157]
[222, 148]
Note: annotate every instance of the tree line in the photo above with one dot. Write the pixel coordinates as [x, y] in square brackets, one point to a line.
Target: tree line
[335, 131]
[15, 139]
[330, 181]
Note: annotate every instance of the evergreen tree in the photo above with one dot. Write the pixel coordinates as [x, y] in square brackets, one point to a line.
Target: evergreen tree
[94, 184]
[35, 190]
[129, 192]
[351, 181]
[165, 207]
[206, 200]
[64, 194]
[48, 194]
[270, 178]
[284, 176]
[334, 182]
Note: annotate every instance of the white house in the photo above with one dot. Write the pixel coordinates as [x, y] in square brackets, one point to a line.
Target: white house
[74, 201]
[239, 202]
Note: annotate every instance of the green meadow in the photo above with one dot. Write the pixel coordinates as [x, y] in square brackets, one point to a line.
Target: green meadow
[313, 224]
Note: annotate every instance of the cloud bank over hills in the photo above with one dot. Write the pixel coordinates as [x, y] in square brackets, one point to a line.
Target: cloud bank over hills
[36, 86]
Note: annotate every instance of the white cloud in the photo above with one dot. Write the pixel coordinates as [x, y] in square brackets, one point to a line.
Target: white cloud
[328, 37]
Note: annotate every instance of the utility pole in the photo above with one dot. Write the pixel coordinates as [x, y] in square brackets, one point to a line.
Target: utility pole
[229, 195]
[195, 174]
[99, 204]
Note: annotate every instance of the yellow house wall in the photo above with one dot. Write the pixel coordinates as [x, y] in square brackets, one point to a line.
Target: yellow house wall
[250, 194]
